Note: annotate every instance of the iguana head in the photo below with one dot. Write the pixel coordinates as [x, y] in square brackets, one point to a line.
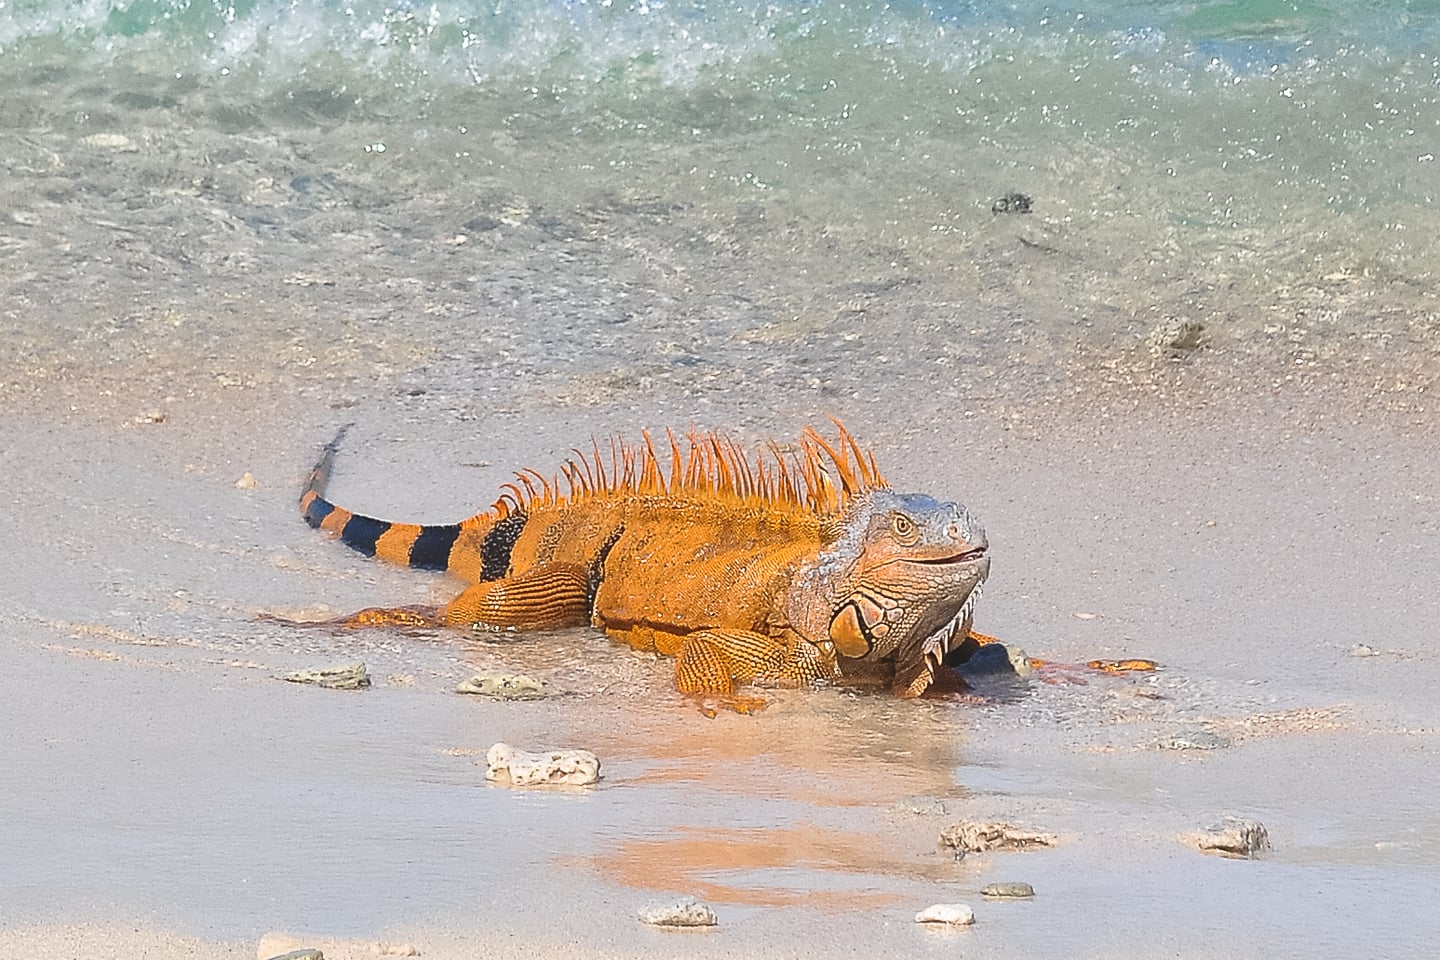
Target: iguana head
[898, 583]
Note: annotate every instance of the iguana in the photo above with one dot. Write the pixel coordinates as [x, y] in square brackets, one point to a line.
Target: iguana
[788, 567]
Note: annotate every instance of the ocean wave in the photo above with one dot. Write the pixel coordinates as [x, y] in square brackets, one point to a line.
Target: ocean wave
[448, 43]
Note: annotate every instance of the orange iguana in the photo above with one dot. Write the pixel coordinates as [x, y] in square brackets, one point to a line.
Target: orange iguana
[785, 568]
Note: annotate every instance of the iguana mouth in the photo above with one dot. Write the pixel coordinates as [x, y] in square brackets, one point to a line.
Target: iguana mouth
[969, 556]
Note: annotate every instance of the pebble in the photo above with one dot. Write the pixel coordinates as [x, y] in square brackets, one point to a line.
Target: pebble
[688, 912]
[503, 686]
[1192, 740]
[246, 481]
[348, 676]
[1020, 661]
[1012, 203]
[283, 946]
[969, 836]
[1239, 839]
[956, 914]
[1364, 650]
[1008, 891]
[521, 769]
[920, 806]
[111, 141]
[1176, 336]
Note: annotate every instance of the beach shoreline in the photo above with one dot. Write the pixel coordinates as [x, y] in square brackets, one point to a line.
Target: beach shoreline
[171, 776]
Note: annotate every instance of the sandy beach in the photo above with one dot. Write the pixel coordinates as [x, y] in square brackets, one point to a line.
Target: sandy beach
[169, 787]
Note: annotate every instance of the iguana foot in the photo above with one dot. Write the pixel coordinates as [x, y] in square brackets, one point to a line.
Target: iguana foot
[1049, 672]
[711, 704]
[369, 617]
[1133, 665]
[950, 686]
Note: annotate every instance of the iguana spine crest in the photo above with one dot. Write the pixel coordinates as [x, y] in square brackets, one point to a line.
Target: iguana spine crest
[712, 466]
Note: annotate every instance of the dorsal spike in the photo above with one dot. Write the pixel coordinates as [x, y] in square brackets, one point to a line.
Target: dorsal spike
[652, 467]
[809, 465]
[747, 475]
[707, 461]
[616, 464]
[677, 470]
[692, 463]
[627, 459]
[602, 484]
[581, 470]
[862, 467]
[719, 470]
[568, 471]
[780, 474]
[582, 466]
[827, 493]
[838, 458]
[546, 490]
[740, 467]
[532, 494]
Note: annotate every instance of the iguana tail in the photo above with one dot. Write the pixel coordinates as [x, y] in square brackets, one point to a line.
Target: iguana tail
[426, 547]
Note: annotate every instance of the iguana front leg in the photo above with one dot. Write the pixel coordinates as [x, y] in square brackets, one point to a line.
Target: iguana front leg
[717, 660]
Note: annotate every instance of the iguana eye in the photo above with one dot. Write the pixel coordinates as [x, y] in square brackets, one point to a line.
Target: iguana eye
[903, 527]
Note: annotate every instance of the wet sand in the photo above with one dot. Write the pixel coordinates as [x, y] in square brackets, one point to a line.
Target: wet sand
[166, 787]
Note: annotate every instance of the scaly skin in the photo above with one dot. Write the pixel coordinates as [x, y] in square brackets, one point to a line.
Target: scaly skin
[783, 569]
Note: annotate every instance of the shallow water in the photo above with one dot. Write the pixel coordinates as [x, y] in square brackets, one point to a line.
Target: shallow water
[549, 202]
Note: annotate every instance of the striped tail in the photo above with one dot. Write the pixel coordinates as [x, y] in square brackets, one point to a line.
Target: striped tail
[407, 544]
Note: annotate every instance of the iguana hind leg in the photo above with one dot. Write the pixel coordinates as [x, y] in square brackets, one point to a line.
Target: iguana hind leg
[545, 598]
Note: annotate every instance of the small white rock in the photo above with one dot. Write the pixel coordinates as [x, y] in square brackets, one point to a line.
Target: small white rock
[111, 141]
[518, 768]
[246, 481]
[687, 912]
[503, 686]
[345, 676]
[956, 914]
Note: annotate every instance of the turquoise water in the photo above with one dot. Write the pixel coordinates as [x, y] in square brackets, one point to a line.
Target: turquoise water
[792, 175]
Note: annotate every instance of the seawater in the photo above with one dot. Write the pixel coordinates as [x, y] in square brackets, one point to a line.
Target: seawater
[718, 183]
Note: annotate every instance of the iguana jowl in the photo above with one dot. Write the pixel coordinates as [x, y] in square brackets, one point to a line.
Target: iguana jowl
[780, 568]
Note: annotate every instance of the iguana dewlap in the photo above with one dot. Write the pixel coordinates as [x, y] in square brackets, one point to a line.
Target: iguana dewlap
[777, 568]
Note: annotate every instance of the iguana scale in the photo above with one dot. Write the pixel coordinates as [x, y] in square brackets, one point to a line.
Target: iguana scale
[783, 568]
